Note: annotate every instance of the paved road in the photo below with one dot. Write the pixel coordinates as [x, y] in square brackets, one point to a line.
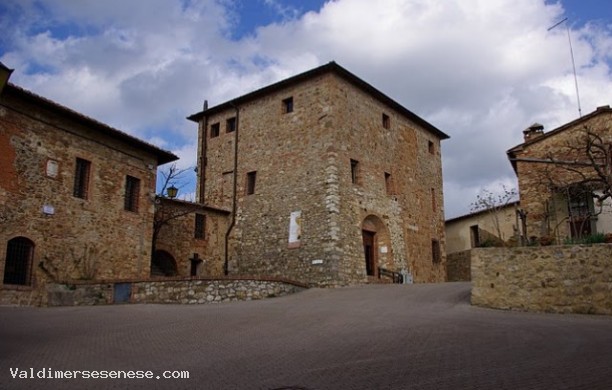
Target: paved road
[368, 337]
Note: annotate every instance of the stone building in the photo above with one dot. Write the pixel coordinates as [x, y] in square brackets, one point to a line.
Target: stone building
[480, 228]
[188, 239]
[328, 180]
[76, 197]
[558, 182]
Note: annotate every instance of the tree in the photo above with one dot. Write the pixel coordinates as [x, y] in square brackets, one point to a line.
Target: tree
[167, 209]
[581, 171]
[494, 203]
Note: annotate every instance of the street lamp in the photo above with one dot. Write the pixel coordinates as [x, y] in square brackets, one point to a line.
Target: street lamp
[172, 191]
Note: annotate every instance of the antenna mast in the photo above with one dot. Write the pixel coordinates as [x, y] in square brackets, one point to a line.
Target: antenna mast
[569, 39]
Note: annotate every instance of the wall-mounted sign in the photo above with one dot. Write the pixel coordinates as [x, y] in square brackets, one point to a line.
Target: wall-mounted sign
[295, 228]
[48, 210]
[52, 168]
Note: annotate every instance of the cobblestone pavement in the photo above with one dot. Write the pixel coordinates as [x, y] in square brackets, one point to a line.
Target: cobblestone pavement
[367, 337]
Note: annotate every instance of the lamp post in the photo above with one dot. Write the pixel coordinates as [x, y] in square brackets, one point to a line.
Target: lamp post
[172, 191]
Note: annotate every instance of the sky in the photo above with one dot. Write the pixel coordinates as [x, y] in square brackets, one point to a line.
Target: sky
[479, 70]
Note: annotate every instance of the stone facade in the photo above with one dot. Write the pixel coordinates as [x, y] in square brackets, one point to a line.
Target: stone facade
[458, 266]
[318, 170]
[63, 205]
[560, 279]
[193, 253]
[172, 290]
[547, 166]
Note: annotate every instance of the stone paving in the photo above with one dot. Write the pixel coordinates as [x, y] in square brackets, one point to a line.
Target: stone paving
[366, 337]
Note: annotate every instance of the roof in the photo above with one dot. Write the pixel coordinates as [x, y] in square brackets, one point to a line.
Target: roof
[479, 212]
[163, 156]
[330, 67]
[193, 205]
[512, 152]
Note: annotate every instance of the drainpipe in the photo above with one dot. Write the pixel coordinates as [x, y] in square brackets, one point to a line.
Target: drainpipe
[203, 156]
[234, 193]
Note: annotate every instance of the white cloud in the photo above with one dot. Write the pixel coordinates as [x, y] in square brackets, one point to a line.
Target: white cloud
[481, 71]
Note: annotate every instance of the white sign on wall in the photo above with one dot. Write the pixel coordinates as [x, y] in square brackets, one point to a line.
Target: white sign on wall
[295, 227]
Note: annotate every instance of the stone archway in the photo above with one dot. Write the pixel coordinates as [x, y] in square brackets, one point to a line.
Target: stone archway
[376, 244]
[163, 264]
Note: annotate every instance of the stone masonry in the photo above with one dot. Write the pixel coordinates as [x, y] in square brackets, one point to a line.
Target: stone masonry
[323, 160]
[547, 210]
[171, 290]
[561, 279]
[86, 237]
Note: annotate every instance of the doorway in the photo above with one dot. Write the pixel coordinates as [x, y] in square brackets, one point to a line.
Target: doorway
[369, 252]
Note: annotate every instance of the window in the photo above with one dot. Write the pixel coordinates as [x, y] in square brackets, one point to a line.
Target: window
[81, 178]
[430, 147]
[354, 171]
[250, 187]
[200, 226]
[433, 199]
[436, 257]
[288, 105]
[386, 121]
[475, 236]
[230, 125]
[19, 258]
[132, 192]
[214, 130]
[389, 184]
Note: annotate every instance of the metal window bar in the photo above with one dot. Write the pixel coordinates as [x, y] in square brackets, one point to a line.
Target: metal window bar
[18, 264]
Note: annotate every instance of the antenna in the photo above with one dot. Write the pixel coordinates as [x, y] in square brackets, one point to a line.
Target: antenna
[569, 39]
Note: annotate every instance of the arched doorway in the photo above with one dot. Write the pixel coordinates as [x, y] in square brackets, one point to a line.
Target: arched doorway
[163, 264]
[18, 265]
[375, 239]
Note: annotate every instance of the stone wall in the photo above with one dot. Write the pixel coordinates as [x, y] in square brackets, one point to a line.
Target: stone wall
[85, 237]
[560, 279]
[177, 236]
[172, 290]
[302, 161]
[458, 266]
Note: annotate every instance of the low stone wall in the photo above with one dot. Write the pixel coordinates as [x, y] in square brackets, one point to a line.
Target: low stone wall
[458, 266]
[560, 279]
[175, 290]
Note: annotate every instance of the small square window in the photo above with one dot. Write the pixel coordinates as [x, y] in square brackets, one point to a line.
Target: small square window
[436, 256]
[386, 121]
[200, 226]
[230, 125]
[214, 130]
[431, 147]
[132, 193]
[288, 105]
[81, 178]
[354, 171]
[250, 185]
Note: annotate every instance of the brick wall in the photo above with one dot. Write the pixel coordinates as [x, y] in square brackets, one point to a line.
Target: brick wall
[561, 279]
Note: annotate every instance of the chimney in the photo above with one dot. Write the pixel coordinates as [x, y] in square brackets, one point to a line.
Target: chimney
[5, 74]
[532, 132]
[205, 105]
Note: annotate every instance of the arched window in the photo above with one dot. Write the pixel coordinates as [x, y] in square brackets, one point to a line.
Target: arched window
[18, 262]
